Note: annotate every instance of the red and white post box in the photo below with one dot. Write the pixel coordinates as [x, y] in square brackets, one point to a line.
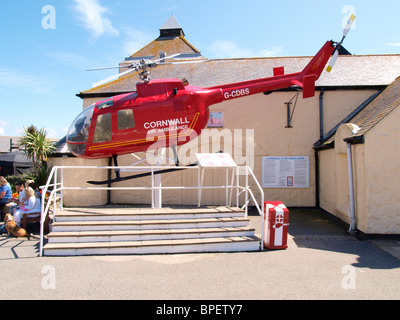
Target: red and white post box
[276, 225]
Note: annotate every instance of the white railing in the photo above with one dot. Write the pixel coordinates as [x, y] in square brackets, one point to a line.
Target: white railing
[55, 182]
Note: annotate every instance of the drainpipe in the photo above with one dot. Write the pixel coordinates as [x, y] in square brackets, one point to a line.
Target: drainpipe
[321, 114]
[352, 210]
[317, 202]
[321, 137]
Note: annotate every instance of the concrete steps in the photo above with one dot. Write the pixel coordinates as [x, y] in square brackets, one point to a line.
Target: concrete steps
[106, 231]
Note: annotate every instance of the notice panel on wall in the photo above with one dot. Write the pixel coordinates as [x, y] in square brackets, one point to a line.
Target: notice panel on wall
[286, 172]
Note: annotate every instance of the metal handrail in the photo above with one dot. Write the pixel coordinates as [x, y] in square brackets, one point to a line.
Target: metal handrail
[262, 210]
[58, 188]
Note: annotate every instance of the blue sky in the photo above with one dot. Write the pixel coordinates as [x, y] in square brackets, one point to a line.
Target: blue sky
[45, 54]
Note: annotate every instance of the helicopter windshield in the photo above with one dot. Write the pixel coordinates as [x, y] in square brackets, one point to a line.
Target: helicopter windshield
[79, 131]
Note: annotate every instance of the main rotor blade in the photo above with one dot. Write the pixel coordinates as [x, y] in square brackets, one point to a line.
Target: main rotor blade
[99, 83]
[103, 68]
[115, 67]
[183, 62]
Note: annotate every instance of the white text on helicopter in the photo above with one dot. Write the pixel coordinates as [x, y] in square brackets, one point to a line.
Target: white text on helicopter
[164, 123]
[237, 93]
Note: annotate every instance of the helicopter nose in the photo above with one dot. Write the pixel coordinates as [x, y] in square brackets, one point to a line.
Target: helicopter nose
[78, 149]
[79, 132]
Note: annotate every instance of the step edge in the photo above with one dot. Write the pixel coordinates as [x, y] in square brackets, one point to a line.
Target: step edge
[166, 221]
[168, 211]
[57, 234]
[149, 243]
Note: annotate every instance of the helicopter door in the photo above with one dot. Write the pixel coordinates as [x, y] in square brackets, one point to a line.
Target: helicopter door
[125, 119]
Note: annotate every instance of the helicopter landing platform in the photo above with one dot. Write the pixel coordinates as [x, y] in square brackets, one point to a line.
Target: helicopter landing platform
[122, 230]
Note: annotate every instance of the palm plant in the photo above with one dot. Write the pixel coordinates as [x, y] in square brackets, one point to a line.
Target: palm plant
[37, 145]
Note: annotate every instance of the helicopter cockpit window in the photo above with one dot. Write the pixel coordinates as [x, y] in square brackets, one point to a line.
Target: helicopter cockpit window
[79, 131]
[125, 119]
[102, 132]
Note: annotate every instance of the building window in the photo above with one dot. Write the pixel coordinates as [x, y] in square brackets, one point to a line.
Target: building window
[125, 119]
[102, 133]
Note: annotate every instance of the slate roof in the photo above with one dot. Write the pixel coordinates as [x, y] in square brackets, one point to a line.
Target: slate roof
[171, 23]
[5, 143]
[168, 45]
[368, 115]
[378, 109]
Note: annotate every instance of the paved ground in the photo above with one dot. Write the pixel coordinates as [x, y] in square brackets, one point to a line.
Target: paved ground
[322, 262]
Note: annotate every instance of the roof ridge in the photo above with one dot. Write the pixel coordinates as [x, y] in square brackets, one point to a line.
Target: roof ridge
[189, 44]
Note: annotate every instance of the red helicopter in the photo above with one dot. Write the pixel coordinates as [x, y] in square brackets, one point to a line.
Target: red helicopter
[172, 110]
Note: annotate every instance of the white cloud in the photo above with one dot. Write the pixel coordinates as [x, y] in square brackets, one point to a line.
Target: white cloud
[394, 44]
[51, 133]
[229, 49]
[273, 52]
[17, 79]
[55, 132]
[91, 16]
[3, 125]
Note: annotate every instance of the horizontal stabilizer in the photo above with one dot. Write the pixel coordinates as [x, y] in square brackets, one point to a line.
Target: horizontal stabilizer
[308, 86]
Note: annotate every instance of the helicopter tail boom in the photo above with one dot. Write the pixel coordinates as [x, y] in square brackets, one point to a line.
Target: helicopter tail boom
[305, 79]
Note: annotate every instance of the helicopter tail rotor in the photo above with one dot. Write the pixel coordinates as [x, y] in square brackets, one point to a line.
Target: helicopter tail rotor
[339, 44]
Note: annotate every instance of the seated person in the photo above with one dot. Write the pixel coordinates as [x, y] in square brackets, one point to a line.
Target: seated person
[17, 202]
[35, 188]
[22, 199]
[5, 192]
[33, 206]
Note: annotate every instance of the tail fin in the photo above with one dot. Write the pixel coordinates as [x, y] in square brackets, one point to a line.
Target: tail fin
[313, 70]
